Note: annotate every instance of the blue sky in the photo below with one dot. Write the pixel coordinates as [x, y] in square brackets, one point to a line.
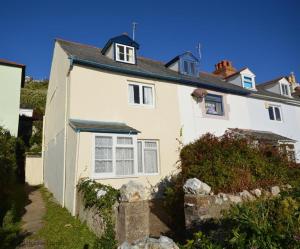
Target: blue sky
[263, 35]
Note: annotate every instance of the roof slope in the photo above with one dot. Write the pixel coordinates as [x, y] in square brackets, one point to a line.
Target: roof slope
[91, 56]
[10, 63]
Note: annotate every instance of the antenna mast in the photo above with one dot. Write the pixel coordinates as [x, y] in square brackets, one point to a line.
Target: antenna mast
[133, 29]
[199, 51]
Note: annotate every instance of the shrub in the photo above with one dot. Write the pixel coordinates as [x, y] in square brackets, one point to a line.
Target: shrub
[231, 164]
[264, 224]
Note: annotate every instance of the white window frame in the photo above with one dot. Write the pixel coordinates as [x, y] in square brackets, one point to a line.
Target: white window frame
[158, 158]
[252, 80]
[288, 89]
[114, 137]
[280, 111]
[141, 94]
[117, 53]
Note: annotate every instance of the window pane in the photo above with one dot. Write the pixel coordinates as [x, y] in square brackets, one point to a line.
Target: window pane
[150, 161]
[271, 113]
[131, 94]
[150, 144]
[214, 98]
[185, 67]
[103, 166]
[124, 153]
[124, 140]
[140, 157]
[103, 141]
[248, 84]
[147, 95]
[103, 153]
[277, 113]
[121, 49]
[129, 54]
[248, 79]
[124, 167]
[192, 68]
[136, 94]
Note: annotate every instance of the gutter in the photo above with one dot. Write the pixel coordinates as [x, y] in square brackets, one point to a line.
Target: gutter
[285, 101]
[75, 60]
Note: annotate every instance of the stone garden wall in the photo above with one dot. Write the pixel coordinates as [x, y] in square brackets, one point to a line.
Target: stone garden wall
[201, 204]
[135, 217]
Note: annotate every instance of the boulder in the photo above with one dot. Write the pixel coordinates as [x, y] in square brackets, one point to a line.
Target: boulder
[234, 198]
[256, 192]
[246, 196]
[196, 187]
[275, 190]
[150, 243]
[132, 191]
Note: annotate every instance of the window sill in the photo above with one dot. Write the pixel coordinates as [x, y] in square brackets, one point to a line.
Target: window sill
[122, 177]
[142, 106]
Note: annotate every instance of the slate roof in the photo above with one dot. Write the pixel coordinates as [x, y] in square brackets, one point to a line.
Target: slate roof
[91, 56]
[103, 127]
[262, 135]
[270, 82]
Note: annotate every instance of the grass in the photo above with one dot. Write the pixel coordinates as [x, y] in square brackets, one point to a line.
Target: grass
[61, 230]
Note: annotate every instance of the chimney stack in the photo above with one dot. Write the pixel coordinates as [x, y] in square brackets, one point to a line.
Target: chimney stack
[224, 68]
[292, 80]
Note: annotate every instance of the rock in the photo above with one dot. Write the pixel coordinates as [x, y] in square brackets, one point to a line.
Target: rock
[101, 193]
[132, 191]
[223, 196]
[218, 200]
[196, 187]
[246, 196]
[256, 192]
[234, 198]
[275, 190]
[150, 243]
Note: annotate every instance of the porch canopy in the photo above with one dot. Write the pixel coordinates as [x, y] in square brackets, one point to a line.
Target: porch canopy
[266, 136]
[102, 127]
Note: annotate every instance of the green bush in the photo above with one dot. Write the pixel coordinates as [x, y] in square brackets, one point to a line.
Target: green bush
[231, 164]
[270, 223]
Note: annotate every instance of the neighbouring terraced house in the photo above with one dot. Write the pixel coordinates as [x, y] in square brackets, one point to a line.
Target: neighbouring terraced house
[113, 116]
[12, 78]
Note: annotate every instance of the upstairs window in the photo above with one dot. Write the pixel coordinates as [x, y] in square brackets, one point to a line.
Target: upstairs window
[125, 54]
[140, 94]
[275, 113]
[285, 90]
[214, 104]
[248, 82]
[189, 68]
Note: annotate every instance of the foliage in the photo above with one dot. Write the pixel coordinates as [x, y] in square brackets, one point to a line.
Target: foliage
[104, 204]
[61, 229]
[265, 223]
[34, 95]
[231, 164]
[228, 164]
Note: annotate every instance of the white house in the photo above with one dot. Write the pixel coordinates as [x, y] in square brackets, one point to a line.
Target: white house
[112, 115]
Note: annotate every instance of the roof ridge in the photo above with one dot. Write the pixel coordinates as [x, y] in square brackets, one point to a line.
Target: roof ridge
[78, 43]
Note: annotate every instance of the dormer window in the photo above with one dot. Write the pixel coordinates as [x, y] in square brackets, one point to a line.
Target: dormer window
[189, 68]
[248, 82]
[285, 90]
[125, 53]
[185, 63]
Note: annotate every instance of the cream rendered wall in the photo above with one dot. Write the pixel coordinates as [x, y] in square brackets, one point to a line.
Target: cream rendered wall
[55, 115]
[245, 113]
[10, 84]
[100, 96]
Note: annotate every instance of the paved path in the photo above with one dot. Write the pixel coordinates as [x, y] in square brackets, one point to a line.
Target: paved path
[33, 219]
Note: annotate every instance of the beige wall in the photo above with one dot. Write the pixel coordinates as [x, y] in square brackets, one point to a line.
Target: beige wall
[34, 170]
[55, 116]
[101, 96]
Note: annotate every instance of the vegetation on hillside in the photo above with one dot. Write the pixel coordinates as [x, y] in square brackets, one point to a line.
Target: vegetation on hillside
[33, 96]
